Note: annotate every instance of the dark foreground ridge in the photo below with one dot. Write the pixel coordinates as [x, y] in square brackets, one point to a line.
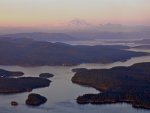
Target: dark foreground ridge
[118, 84]
[28, 52]
[35, 99]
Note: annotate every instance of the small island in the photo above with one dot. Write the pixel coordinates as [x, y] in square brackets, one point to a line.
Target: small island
[11, 82]
[35, 99]
[117, 85]
[46, 75]
[14, 103]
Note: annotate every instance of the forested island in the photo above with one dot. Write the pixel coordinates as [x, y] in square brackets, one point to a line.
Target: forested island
[35, 99]
[12, 82]
[117, 85]
[28, 52]
[22, 84]
[46, 75]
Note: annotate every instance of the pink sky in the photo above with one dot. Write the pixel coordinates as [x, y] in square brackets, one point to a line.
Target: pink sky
[60, 12]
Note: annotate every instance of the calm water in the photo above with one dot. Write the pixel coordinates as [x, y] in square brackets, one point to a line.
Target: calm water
[105, 42]
[62, 93]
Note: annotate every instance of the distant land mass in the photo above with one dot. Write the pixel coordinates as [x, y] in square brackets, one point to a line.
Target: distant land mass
[144, 41]
[27, 52]
[43, 36]
[117, 85]
[112, 35]
[80, 36]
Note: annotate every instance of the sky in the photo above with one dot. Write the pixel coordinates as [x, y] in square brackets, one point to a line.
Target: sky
[59, 12]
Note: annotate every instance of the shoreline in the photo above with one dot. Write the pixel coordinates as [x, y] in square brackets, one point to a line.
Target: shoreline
[116, 85]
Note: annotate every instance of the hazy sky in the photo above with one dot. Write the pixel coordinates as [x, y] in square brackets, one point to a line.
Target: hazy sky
[59, 12]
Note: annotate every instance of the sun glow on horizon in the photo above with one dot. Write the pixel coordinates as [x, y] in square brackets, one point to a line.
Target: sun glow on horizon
[59, 13]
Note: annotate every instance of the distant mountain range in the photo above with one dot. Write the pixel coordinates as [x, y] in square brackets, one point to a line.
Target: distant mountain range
[78, 36]
[112, 35]
[42, 36]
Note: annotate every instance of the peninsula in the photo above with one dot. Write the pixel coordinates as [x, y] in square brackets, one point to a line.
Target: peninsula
[117, 85]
